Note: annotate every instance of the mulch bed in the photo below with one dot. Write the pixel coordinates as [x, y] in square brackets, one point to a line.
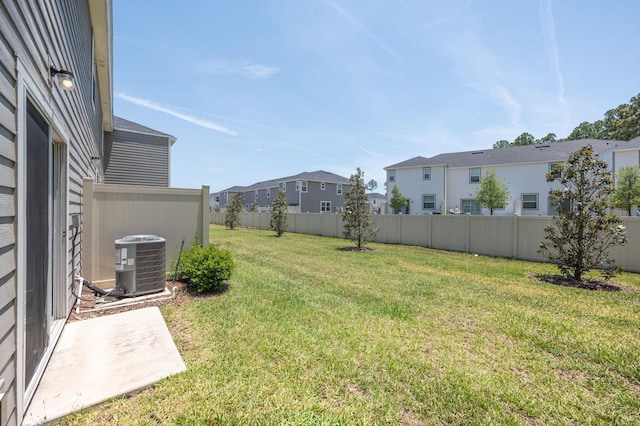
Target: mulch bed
[587, 284]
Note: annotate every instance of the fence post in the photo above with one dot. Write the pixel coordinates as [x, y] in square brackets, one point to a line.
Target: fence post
[87, 229]
[206, 216]
[515, 240]
[467, 243]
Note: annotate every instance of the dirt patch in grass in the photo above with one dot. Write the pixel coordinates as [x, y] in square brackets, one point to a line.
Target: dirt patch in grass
[587, 284]
[180, 294]
[356, 249]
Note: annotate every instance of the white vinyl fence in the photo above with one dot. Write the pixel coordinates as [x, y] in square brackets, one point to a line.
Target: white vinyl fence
[515, 237]
[110, 212]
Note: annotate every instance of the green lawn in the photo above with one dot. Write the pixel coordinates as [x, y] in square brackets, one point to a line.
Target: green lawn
[310, 334]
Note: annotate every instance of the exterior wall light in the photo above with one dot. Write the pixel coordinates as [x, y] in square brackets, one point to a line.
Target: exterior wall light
[65, 77]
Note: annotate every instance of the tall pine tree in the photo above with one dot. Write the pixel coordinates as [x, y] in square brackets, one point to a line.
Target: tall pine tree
[359, 226]
[278, 221]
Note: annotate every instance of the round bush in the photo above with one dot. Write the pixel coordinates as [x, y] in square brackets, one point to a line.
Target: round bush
[205, 269]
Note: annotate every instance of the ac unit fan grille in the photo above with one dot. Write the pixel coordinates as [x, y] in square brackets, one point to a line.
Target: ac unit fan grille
[150, 269]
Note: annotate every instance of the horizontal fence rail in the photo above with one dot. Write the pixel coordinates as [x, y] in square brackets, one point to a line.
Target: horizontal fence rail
[516, 237]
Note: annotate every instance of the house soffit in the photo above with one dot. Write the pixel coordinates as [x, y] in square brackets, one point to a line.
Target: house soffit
[101, 20]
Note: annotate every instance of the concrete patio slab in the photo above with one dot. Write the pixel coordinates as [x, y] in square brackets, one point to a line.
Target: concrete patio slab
[104, 357]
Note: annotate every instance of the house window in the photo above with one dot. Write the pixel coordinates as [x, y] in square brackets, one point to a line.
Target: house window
[297, 185]
[530, 201]
[339, 188]
[428, 202]
[304, 186]
[322, 186]
[256, 193]
[217, 199]
[474, 175]
[325, 206]
[392, 175]
[469, 206]
[268, 192]
[552, 170]
[554, 208]
[426, 173]
[284, 187]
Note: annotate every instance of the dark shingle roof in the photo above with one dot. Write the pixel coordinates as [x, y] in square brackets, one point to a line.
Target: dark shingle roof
[317, 176]
[376, 195]
[120, 123]
[557, 151]
[232, 189]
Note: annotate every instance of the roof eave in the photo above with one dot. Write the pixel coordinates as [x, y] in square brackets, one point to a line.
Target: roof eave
[101, 21]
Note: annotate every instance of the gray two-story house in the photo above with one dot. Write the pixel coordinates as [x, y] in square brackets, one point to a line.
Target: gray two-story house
[307, 192]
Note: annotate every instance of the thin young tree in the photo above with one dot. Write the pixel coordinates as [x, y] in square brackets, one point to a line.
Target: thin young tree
[359, 226]
[232, 214]
[493, 193]
[372, 185]
[398, 201]
[278, 221]
[254, 206]
[627, 193]
[581, 235]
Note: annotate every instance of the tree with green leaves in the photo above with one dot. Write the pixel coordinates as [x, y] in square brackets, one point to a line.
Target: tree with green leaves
[372, 185]
[398, 201]
[621, 123]
[278, 221]
[627, 193]
[550, 138]
[525, 138]
[586, 130]
[580, 237]
[492, 193]
[232, 214]
[502, 143]
[359, 226]
[254, 206]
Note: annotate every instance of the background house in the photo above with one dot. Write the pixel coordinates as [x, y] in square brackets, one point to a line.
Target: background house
[448, 182]
[377, 203]
[307, 192]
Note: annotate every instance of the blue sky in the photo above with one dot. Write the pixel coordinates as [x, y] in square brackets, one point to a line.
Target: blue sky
[255, 90]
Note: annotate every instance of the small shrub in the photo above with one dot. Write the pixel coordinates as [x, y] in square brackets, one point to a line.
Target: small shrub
[205, 269]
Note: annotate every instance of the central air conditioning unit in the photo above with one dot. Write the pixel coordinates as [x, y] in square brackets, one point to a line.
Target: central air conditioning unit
[140, 264]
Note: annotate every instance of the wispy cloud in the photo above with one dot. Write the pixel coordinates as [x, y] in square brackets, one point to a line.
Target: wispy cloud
[368, 33]
[549, 34]
[459, 36]
[551, 45]
[241, 67]
[189, 118]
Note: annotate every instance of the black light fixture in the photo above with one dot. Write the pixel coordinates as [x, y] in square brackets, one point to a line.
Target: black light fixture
[65, 77]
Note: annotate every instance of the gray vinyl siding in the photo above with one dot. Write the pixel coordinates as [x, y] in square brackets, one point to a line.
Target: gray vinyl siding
[136, 159]
[7, 220]
[314, 196]
[40, 33]
[309, 201]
